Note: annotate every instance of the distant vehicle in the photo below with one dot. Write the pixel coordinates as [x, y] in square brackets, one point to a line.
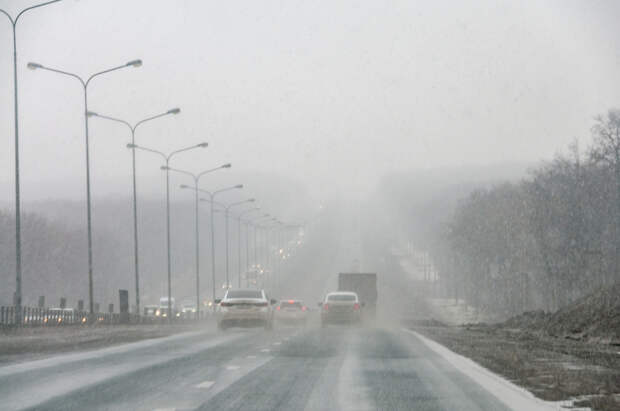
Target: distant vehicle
[364, 285]
[54, 316]
[151, 311]
[188, 311]
[163, 308]
[291, 311]
[341, 307]
[245, 308]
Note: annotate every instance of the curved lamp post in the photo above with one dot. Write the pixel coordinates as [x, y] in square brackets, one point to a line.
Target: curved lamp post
[211, 200]
[226, 215]
[167, 158]
[85, 83]
[18, 217]
[196, 178]
[133, 128]
[252, 210]
[252, 222]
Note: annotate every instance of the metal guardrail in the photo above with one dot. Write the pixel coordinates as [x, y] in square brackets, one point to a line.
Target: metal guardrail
[50, 317]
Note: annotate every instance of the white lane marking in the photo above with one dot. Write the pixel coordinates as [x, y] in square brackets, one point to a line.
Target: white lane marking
[515, 397]
[265, 350]
[205, 384]
[277, 343]
[251, 356]
[232, 367]
[164, 409]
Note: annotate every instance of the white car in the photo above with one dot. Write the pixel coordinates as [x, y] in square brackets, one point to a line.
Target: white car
[341, 307]
[291, 311]
[245, 308]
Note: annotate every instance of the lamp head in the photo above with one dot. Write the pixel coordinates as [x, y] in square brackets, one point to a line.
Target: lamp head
[202, 145]
[91, 114]
[175, 110]
[164, 168]
[134, 63]
[131, 145]
[238, 186]
[184, 186]
[34, 66]
[227, 165]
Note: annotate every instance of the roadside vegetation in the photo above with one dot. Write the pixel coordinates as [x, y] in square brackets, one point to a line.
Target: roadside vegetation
[541, 242]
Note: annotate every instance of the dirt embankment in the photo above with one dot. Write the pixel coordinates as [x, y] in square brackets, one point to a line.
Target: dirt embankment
[593, 319]
[571, 354]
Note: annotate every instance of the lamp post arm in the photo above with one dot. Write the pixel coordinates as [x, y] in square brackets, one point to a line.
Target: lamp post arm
[151, 151]
[13, 22]
[207, 172]
[32, 7]
[149, 119]
[118, 120]
[236, 204]
[104, 72]
[66, 73]
[192, 175]
[181, 150]
[223, 189]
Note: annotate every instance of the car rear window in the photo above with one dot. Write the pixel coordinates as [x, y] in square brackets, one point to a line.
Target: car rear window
[244, 294]
[341, 297]
[286, 304]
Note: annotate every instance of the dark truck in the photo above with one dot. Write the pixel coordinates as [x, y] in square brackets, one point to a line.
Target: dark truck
[364, 285]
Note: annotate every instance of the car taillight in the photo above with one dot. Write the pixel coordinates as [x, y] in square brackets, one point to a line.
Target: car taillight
[278, 308]
[356, 306]
[304, 308]
[325, 307]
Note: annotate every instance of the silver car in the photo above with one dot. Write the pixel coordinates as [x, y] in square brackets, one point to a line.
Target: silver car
[341, 307]
[245, 308]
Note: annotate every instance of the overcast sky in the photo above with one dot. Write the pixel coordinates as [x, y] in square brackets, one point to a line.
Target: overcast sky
[322, 91]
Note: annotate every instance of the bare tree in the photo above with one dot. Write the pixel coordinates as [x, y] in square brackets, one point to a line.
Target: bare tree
[606, 149]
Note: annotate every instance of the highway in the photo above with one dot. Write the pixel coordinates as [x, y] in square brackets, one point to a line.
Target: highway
[378, 366]
[337, 368]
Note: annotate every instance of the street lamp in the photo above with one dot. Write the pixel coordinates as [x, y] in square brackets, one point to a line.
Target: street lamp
[262, 219]
[85, 83]
[196, 178]
[269, 226]
[226, 212]
[249, 222]
[133, 128]
[211, 200]
[167, 158]
[252, 210]
[18, 217]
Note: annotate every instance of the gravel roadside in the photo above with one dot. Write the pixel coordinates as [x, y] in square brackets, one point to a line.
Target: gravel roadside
[551, 368]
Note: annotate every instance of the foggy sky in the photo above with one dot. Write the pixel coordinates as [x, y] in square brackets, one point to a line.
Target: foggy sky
[333, 94]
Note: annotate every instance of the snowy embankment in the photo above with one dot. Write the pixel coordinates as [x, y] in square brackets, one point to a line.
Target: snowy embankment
[515, 397]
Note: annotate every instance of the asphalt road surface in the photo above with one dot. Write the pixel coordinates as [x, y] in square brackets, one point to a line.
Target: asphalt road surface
[337, 368]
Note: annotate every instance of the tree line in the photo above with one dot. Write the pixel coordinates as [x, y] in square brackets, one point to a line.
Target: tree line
[543, 241]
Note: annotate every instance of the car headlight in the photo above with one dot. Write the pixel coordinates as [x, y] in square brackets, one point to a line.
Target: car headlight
[157, 313]
[178, 314]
